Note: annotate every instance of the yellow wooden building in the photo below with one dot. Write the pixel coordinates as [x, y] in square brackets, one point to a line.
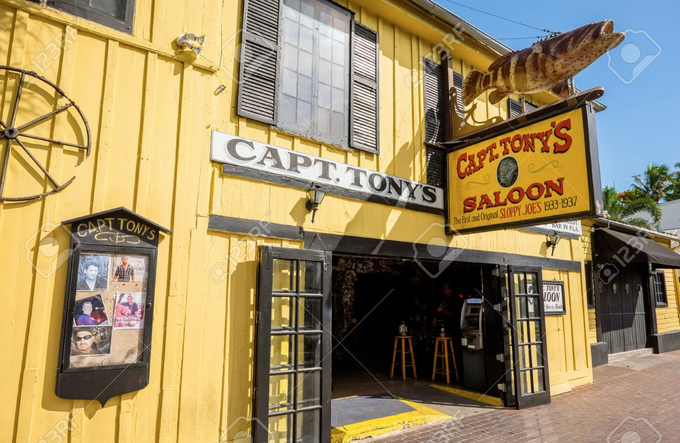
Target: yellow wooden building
[160, 120]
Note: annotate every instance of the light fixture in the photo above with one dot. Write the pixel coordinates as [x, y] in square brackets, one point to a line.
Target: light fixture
[314, 198]
[552, 241]
[192, 42]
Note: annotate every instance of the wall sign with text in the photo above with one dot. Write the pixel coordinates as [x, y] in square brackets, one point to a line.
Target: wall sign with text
[108, 307]
[543, 171]
[553, 297]
[269, 163]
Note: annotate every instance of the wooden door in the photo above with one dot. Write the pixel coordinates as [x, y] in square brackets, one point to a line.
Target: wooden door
[528, 337]
[622, 310]
[293, 364]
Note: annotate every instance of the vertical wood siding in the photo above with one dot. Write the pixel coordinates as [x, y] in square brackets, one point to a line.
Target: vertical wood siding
[151, 111]
[668, 318]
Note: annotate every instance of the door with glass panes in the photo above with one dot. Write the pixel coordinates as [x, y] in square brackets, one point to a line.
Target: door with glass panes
[293, 363]
[527, 383]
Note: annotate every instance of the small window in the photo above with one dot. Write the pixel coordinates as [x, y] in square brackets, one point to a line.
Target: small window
[314, 78]
[590, 287]
[435, 167]
[515, 107]
[660, 288]
[117, 14]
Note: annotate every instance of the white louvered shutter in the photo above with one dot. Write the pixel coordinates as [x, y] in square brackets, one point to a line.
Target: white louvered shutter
[259, 55]
[364, 105]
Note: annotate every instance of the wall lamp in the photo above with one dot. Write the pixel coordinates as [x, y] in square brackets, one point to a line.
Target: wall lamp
[314, 198]
[191, 41]
[552, 241]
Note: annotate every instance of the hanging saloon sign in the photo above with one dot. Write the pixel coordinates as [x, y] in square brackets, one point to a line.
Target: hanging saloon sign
[108, 305]
[526, 171]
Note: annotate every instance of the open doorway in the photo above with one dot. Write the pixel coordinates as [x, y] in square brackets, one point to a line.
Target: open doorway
[373, 297]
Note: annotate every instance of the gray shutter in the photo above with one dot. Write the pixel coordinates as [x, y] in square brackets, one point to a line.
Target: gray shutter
[515, 107]
[259, 60]
[434, 101]
[364, 111]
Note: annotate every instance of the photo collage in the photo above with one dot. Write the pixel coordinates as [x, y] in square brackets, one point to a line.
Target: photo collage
[109, 312]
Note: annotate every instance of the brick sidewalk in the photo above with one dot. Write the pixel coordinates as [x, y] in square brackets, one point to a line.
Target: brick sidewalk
[637, 397]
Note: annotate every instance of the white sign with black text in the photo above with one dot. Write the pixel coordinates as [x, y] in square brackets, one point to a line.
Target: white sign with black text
[568, 227]
[553, 297]
[230, 149]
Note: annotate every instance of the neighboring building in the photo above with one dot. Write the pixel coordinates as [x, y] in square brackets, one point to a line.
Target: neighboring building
[325, 86]
[632, 289]
[670, 217]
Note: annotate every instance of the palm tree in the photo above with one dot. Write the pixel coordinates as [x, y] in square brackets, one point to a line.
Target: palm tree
[623, 207]
[674, 192]
[654, 182]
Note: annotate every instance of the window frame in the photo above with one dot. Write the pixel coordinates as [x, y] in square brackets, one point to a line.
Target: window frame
[74, 8]
[279, 86]
[664, 293]
[430, 171]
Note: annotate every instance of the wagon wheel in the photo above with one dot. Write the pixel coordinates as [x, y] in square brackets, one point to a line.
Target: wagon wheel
[11, 135]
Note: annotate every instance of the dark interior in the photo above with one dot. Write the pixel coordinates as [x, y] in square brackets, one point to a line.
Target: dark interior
[372, 296]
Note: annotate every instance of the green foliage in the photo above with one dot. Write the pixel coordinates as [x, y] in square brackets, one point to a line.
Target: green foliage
[655, 182]
[623, 206]
[673, 193]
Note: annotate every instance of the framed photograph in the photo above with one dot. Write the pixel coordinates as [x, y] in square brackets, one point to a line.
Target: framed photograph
[553, 298]
[130, 268]
[91, 311]
[93, 272]
[90, 341]
[129, 312]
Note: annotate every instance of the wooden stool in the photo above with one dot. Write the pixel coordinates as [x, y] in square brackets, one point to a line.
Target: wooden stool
[402, 339]
[446, 343]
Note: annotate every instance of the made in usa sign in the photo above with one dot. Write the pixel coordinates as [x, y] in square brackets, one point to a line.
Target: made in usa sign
[283, 166]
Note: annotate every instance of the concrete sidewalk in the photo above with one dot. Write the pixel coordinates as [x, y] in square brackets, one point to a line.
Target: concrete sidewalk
[631, 401]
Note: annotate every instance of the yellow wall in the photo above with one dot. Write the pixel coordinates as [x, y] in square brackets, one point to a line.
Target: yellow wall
[668, 319]
[568, 346]
[151, 110]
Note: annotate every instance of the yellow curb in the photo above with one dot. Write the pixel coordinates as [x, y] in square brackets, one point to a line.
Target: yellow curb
[384, 425]
[476, 396]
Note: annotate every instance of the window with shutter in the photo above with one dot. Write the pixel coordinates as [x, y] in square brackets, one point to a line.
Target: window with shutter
[365, 111]
[258, 69]
[434, 101]
[515, 107]
[310, 70]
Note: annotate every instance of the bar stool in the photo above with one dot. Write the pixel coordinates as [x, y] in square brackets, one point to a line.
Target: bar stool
[402, 339]
[446, 343]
